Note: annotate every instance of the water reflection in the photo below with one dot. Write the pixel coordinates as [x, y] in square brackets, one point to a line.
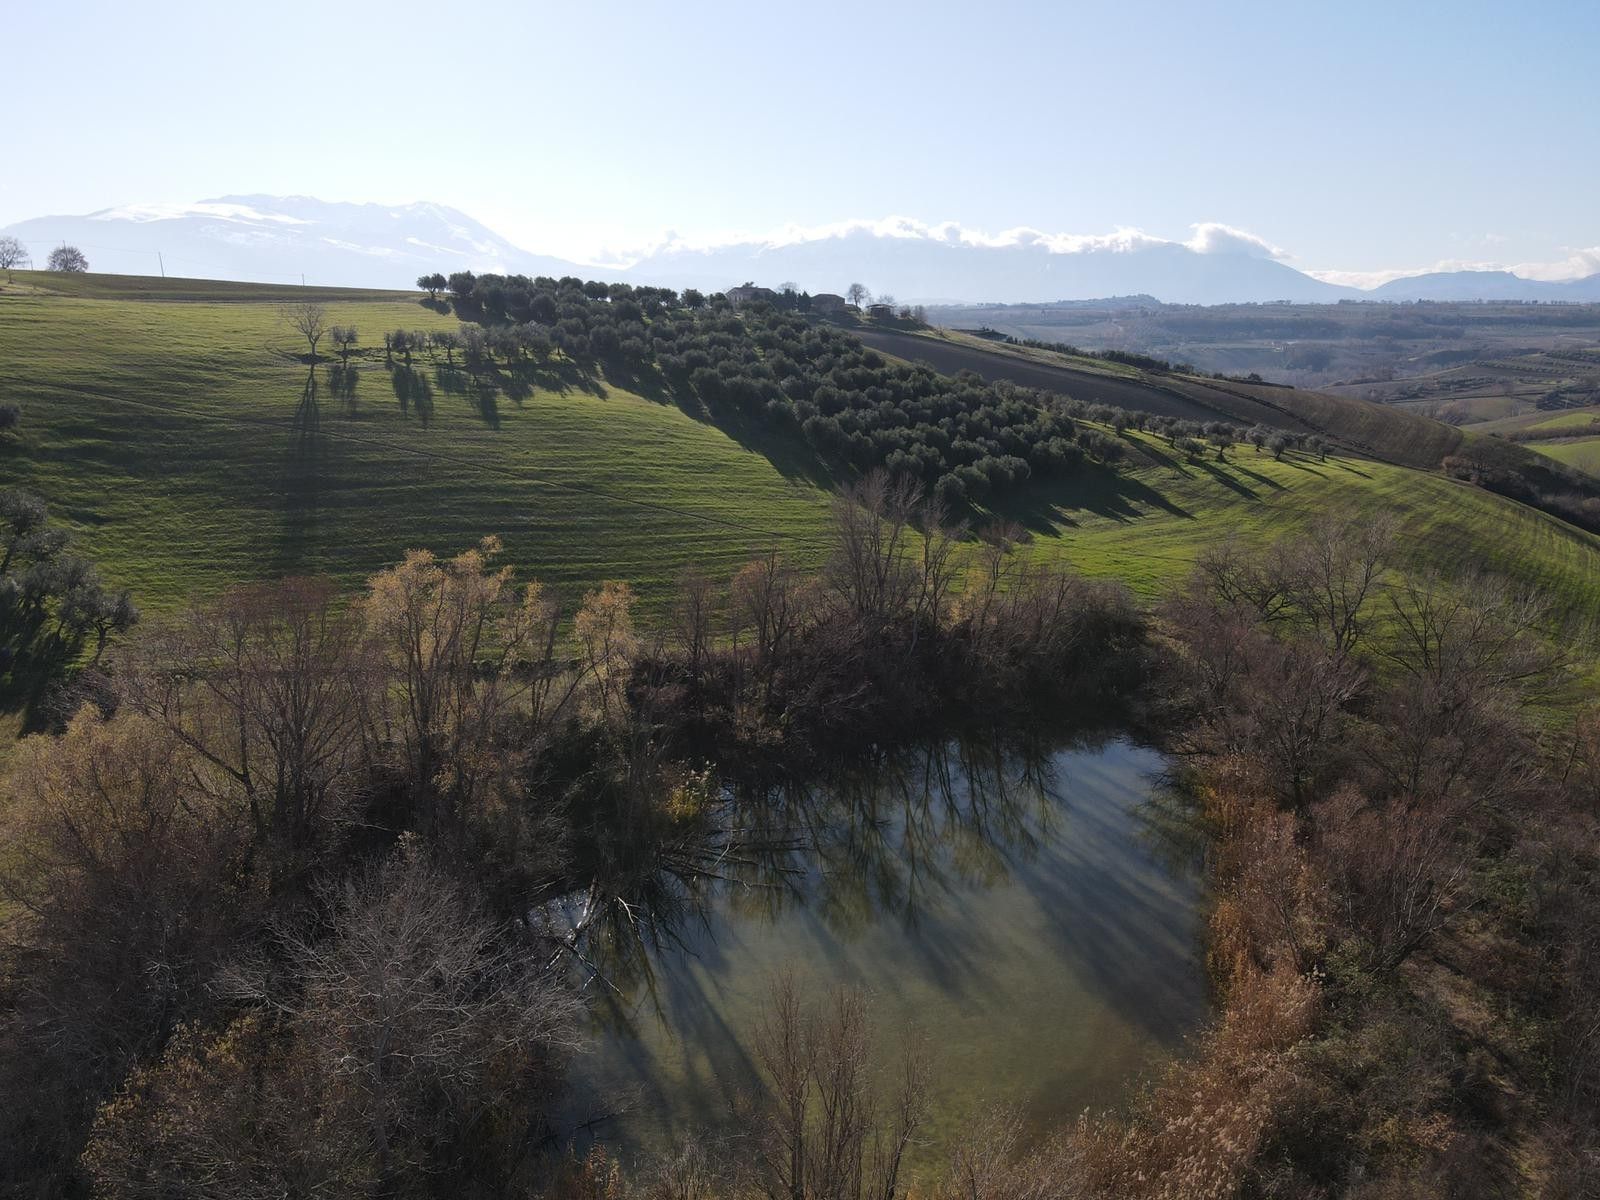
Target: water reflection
[1004, 898]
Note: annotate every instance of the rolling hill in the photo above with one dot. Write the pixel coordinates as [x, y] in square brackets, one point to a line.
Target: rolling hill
[178, 435]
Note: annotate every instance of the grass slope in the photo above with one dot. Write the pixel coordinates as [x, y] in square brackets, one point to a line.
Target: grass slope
[179, 441]
[1582, 454]
[177, 437]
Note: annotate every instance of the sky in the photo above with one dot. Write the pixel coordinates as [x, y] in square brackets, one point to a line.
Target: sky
[1359, 138]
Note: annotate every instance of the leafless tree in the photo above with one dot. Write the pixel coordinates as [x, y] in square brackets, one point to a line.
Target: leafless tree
[857, 294]
[267, 687]
[826, 1130]
[309, 320]
[13, 254]
[418, 1040]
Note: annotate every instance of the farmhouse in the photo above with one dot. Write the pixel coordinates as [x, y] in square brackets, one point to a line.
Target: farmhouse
[749, 293]
[826, 304]
[881, 312]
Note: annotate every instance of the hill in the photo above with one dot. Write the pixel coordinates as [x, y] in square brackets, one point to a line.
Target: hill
[1386, 433]
[174, 428]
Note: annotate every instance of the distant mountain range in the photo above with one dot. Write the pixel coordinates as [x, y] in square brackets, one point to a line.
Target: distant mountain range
[282, 238]
[277, 239]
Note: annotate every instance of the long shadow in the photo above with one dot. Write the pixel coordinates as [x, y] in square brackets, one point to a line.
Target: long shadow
[343, 384]
[1263, 480]
[1045, 507]
[304, 463]
[1226, 480]
[412, 390]
[35, 667]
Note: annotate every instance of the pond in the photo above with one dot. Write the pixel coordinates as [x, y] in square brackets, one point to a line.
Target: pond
[1021, 910]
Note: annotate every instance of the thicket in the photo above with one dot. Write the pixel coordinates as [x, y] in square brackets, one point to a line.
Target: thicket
[288, 910]
[1403, 854]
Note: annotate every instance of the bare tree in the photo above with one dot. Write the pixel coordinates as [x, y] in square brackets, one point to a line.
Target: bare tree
[69, 259]
[309, 320]
[418, 1040]
[857, 294]
[266, 687]
[827, 1130]
[13, 254]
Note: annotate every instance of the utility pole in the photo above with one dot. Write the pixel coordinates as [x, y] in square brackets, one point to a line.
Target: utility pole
[163, 263]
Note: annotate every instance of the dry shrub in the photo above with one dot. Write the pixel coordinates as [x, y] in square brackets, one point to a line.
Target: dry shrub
[1397, 868]
[417, 1041]
[1197, 1134]
[1270, 898]
[118, 881]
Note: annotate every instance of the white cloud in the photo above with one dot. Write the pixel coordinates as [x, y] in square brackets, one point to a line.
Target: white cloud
[1212, 237]
[1208, 238]
[1577, 265]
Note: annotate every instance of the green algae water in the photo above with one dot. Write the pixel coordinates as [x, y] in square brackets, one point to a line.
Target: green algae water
[1018, 910]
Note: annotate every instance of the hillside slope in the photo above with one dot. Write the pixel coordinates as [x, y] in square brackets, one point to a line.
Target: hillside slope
[189, 448]
[1386, 433]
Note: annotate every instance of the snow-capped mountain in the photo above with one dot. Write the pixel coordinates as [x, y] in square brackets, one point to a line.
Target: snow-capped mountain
[922, 266]
[277, 239]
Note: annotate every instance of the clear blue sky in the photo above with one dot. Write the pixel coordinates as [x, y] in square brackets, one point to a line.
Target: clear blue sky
[1358, 136]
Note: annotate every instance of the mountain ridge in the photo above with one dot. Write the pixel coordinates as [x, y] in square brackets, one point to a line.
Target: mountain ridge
[263, 238]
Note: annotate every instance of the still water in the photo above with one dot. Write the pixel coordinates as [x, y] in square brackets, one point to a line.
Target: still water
[1018, 909]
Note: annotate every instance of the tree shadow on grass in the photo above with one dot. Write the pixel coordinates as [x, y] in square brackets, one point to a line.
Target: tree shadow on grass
[39, 666]
[413, 391]
[1343, 465]
[304, 464]
[343, 384]
[1226, 479]
[1263, 480]
[1046, 507]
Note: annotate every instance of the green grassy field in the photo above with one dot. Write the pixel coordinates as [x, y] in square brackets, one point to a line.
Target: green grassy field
[178, 438]
[1572, 418]
[1582, 453]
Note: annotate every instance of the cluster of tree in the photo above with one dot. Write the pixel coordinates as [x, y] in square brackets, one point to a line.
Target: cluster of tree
[51, 601]
[288, 908]
[1145, 362]
[14, 257]
[962, 438]
[1398, 825]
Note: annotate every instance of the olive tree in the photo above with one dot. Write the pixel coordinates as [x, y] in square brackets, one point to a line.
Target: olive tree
[344, 336]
